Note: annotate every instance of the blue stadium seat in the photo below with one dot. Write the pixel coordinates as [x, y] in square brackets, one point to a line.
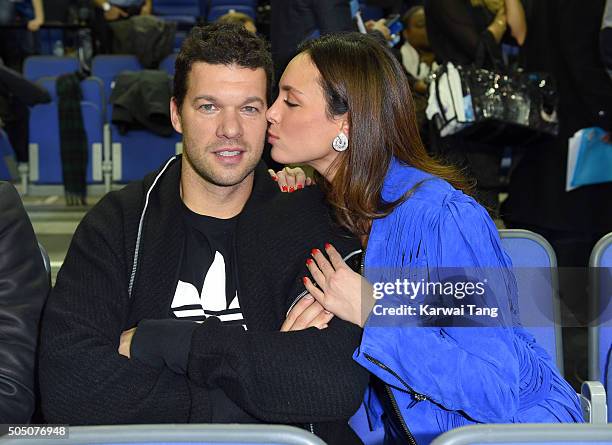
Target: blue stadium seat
[181, 11]
[139, 152]
[527, 434]
[106, 68]
[181, 435]
[35, 67]
[45, 155]
[535, 263]
[600, 332]
[167, 64]
[219, 10]
[92, 89]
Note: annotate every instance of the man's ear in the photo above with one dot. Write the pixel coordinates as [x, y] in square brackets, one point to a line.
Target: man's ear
[175, 115]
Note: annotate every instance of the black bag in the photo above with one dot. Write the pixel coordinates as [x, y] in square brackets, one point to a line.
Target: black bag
[495, 106]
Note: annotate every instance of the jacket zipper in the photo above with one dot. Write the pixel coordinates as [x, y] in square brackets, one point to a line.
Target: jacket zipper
[398, 415]
[417, 397]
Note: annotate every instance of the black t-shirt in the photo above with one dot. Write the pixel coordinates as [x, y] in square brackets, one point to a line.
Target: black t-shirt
[208, 279]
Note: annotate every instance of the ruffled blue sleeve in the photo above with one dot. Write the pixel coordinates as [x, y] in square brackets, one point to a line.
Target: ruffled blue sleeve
[472, 370]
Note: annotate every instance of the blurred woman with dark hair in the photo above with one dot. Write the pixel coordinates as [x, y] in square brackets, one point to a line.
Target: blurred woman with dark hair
[345, 109]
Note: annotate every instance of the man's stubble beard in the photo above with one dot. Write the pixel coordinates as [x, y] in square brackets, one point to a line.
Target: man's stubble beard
[206, 171]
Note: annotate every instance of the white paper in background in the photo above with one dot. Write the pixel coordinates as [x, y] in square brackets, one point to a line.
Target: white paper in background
[454, 82]
[573, 147]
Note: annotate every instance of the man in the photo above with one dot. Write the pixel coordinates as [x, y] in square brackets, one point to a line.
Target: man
[24, 285]
[240, 18]
[117, 9]
[18, 43]
[208, 238]
[417, 57]
[108, 11]
[292, 22]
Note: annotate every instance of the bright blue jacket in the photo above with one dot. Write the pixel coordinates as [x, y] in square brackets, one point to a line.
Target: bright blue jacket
[446, 377]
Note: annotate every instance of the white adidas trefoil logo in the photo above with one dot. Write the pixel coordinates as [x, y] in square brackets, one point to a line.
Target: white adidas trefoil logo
[212, 298]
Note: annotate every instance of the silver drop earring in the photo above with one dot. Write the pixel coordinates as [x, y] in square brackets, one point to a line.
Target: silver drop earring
[340, 142]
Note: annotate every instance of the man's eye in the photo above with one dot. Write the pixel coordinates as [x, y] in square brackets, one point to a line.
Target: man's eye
[251, 110]
[207, 107]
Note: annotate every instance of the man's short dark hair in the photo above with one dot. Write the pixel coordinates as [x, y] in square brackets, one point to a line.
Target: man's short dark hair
[221, 44]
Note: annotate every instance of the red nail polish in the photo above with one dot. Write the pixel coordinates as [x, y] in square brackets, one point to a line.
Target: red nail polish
[275, 178]
[291, 190]
[315, 251]
[284, 188]
[304, 280]
[309, 261]
[327, 245]
[300, 186]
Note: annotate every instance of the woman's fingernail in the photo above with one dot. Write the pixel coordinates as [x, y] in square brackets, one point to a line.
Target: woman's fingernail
[284, 188]
[327, 245]
[304, 280]
[275, 178]
[300, 186]
[315, 251]
[309, 261]
[326, 311]
[291, 190]
[308, 297]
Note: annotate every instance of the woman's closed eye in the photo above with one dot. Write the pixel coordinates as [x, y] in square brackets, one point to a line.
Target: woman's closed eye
[290, 104]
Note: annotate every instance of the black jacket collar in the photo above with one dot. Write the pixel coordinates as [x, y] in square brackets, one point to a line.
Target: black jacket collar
[160, 249]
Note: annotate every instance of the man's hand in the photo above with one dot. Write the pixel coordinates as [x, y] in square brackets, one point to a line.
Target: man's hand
[34, 24]
[291, 179]
[114, 13]
[379, 26]
[125, 342]
[306, 313]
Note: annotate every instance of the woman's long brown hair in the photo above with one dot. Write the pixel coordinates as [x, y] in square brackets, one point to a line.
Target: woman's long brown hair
[361, 78]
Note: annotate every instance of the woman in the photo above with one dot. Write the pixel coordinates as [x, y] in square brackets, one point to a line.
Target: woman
[344, 109]
[471, 32]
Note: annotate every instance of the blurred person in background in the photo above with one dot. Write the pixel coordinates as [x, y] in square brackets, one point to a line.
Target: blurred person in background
[572, 221]
[106, 11]
[417, 56]
[17, 44]
[458, 31]
[296, 20]
[419, 62]
[240, 18]
[31, 11]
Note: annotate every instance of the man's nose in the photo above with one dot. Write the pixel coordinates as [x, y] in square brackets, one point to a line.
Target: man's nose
[230, 126]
